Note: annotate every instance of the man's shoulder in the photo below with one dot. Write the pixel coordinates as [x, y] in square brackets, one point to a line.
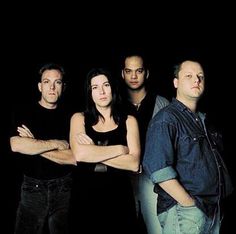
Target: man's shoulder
[160, 102]
[166, 113]
[160, 98]
[24, 109]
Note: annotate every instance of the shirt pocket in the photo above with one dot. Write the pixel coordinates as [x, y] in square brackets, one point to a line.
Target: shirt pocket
[191, 147]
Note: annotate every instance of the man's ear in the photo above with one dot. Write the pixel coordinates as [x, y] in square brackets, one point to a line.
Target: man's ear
[39, 87]
[122, 74]
[147, 74]
[175, 82]
[64, 87]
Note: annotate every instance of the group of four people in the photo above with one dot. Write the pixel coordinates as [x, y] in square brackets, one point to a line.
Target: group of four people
[98, 172]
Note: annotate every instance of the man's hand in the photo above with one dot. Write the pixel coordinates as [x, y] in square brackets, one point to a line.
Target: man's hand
[24, 131]
[61, 144]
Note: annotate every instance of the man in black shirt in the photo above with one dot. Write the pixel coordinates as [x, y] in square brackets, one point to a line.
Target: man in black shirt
[40, 135]
[143, 104]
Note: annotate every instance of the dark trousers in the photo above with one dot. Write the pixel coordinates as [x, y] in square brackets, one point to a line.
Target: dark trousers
[44, 202]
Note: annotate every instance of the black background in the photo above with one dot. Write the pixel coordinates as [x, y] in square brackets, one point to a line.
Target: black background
[80, 38]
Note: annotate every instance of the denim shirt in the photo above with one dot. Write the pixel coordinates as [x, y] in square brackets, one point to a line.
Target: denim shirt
[179, 146]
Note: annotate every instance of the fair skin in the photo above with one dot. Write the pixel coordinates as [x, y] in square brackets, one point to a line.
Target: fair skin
[83, 147]
[190, 85]
[51, 86]
[134, 77]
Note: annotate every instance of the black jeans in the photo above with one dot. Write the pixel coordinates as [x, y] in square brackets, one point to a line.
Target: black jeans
[44, 202]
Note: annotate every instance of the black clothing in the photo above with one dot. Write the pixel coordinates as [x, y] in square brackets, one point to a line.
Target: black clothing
[104, 199]
[44, 124]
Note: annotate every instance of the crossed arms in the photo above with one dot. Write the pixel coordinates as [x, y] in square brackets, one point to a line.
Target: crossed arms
[117, 156]
[55, 150]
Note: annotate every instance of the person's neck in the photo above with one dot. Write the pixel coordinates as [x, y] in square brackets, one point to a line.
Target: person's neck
[105, 111]
[136, 96]
[47, 105]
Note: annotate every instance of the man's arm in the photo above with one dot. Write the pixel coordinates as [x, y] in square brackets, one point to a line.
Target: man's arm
[54, 150]
[60, 156]
[177, 191]
[159, 104]
[31, 146]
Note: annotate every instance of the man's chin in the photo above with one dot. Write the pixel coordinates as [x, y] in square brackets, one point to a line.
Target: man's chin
[135, 87]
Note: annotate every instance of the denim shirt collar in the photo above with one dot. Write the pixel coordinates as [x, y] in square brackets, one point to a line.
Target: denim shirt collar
[182, 107]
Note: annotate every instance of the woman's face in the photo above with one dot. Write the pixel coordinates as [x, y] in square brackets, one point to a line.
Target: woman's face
[101, 91]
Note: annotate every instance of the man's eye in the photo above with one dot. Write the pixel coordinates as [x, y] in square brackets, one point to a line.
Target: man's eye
[140, 71]
[201, 77]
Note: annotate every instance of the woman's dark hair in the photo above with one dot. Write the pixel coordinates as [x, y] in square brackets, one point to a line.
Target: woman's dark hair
[91, 111]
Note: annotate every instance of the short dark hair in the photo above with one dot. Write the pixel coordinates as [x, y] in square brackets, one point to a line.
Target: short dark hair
[52, 66]
[133, 53]
[177, 67]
